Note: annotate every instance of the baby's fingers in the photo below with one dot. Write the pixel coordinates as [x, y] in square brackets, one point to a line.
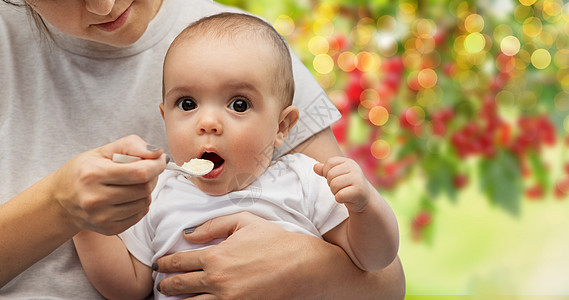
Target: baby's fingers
[323, 169]
[319, 169]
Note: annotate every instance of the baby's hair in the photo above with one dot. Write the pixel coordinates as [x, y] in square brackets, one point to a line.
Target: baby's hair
[236, 25]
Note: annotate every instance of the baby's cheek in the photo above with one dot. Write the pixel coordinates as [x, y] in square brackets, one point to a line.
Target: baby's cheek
[255, 157]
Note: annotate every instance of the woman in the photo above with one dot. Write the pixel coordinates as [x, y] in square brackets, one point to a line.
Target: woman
[91, 78]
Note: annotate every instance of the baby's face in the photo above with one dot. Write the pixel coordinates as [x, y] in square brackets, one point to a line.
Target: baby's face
[219, 105]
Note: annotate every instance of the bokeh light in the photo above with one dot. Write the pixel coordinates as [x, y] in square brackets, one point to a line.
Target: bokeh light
[318, 45]
[561, 58]
[474, 42]
[505, 99]
[380, 149]
[414, 115]
[427, 78]
[474, 23]
[527, 2]
[366, 61]
[540, 58]
[510, 45]
[378, 115]
[532, 27]
[284, 25]
[561, 101]
[323, 27]
[347, 61]
[386, 45]
[323, 63]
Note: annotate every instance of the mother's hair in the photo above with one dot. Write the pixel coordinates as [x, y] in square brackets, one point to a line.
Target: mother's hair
[37, 19]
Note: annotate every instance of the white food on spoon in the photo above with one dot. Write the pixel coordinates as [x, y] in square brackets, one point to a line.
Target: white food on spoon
[198, 166]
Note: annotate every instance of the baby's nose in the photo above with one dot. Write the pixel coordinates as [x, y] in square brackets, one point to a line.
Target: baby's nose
[210, 124]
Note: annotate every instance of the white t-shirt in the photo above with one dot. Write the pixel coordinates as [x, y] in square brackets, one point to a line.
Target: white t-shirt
[60, 99]
[288, 193]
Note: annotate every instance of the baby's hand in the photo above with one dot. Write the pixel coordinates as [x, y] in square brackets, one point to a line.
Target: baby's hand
[347, 182]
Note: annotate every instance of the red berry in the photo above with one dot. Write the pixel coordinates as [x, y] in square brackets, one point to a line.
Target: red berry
[338, 43]
[354, 91]
[471, 129]
[504, 134]
[386, 182]
[535, 192]
[449, 69]
[422, 219]
[439, 127]
[413, 84]
[460, 181]
[440, 37]
[391, 168]
[561, 189]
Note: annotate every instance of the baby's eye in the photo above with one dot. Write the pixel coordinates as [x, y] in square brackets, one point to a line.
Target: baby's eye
[186, 104]
[239, 105]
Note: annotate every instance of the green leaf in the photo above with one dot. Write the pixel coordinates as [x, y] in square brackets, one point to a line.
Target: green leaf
[440, 170]
[539, 170]
[501, 182]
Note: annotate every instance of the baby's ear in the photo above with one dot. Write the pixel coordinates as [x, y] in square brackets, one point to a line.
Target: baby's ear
[287, 119]
[162, 109]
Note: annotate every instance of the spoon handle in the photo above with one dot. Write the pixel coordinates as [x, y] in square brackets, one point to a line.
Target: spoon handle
[125, 158]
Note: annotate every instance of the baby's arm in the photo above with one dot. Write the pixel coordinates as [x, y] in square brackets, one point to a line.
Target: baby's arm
[370, 236]
[114, 272]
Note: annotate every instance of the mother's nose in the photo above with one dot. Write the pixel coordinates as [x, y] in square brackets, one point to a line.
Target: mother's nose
[100, 7]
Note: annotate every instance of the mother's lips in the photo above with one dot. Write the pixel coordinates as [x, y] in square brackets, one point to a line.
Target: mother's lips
[116, 24]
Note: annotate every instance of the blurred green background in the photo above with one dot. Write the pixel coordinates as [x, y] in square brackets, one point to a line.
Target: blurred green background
[457, 112]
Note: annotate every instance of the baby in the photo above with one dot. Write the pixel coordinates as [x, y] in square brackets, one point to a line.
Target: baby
[228, 89]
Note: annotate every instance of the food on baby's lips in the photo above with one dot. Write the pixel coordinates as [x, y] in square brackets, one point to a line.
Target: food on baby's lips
[198, 166]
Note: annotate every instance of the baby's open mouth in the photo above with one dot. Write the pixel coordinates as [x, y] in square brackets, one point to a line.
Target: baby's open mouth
[213, 157]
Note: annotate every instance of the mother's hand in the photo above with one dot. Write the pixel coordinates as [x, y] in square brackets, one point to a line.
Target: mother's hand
[104, 196]
[259, 260]
[237, 268]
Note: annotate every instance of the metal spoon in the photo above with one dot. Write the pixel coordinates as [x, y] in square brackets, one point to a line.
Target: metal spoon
[194, 168]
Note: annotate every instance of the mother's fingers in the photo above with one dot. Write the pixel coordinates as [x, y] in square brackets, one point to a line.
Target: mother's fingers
[141, 171]
[126, 211]
[183, 284]
[114, 219]
[180, 262]
[131, 145]
[204, 297]
[124, 194]
[116, 227]
[221, 227]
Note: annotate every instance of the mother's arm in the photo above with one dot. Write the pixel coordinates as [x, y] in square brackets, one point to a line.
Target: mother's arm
[89, 192]
[320, 146]
[31, 227]
[388, 283]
